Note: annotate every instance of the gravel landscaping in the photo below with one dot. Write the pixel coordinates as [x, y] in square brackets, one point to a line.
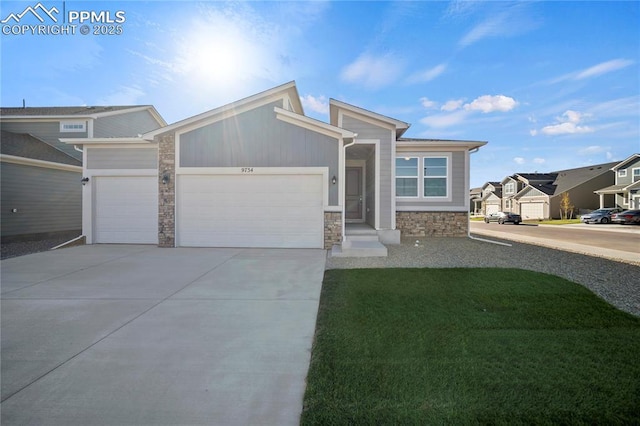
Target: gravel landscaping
[21, 248]
[615, 282]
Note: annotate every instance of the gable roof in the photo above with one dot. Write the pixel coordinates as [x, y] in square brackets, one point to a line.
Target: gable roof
[288, 89]
[626, 161]
[568, 179]
[335, 105]
[28, 146]
[75, 112]
[536, 177]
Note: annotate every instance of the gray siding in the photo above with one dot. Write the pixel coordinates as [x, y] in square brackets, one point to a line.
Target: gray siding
[627, 179]
[47, 200]
[370, 186]
[369, 131]
[458, 180]
[257, 138]
[531, 192]
[122, 158]
[124, 125]
[48, 131]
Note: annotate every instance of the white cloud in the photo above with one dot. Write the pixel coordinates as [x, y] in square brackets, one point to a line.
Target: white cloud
[603, 68]
[319, 104]
[427, 75]
[533, 132]
[373, 72]
[539, 160]
[593, 149]
[427, 103]
[568, 123]
[452, 105]
[488, 103]
[518, 160]
[445, 120]
[125, 95]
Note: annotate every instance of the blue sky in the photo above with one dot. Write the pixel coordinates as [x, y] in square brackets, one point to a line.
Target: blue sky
[550, 85]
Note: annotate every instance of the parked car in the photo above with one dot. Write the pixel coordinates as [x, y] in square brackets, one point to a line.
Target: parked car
[503, 217]
[627, 217]
[600, 215]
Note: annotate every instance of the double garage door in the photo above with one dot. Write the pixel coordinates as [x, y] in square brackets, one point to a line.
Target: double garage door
[284, 211]
[250, 210]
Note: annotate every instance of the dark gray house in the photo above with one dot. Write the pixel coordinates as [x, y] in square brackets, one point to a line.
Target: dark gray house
[41, 177]
[260, 173]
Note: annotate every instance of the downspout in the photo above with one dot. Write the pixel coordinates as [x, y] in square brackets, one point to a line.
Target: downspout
[77, 149]
[344, 192]
[472, 151]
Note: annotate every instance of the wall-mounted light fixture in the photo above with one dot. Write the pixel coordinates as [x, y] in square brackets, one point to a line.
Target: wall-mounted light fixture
[333, 180]
[84, 180]
[165, 178]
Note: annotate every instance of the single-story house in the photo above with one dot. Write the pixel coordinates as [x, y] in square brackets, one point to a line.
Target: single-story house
[259, 173]
[41, 176]
[541, 195]
[626, 189]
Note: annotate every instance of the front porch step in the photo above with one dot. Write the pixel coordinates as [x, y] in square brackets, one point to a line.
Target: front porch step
[359, 248]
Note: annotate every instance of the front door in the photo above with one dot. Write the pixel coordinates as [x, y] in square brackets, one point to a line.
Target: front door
[354, 200]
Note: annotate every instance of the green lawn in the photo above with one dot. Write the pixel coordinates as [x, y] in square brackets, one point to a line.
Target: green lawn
[469, 346]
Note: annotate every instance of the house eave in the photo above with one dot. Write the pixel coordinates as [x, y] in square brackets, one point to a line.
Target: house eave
[312, 124]
[105, 141]
[435, 143]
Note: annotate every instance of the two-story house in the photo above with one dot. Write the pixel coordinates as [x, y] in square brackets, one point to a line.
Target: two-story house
[625, 192]
[41, 176]
[491, 197]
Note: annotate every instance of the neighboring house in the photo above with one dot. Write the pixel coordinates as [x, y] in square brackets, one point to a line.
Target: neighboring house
[626, 189]
[475, 197]
[541, 196]
[259, 173]
[511, 185]
[41, 192]
[491, 197]
[41, 176]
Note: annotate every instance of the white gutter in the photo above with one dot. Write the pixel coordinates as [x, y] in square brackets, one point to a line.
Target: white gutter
[484, 240]
[77, 149]
[344, 193]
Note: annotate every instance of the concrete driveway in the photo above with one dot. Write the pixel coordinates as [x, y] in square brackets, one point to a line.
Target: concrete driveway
[121, 334]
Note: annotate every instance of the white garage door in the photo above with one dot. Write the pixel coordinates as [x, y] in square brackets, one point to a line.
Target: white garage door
[283, 211]
[126, 209]
[532, 211]
[492, 208]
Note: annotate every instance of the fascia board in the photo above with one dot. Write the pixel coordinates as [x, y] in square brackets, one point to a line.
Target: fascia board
[397, 124]
[621, 164]
[461, 145]
[311, 124]
[105, 141]
[13, 159]
[224, 111]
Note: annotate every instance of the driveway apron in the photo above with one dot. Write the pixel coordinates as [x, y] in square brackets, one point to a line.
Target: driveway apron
[115, 335]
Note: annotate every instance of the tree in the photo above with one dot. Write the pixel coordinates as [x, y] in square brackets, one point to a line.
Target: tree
[566, 208]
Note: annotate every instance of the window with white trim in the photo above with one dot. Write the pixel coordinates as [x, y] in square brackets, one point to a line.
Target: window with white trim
[435, 175]
[406, 177]
[72, 126]
[635, 175]
[622, 173]
[510, 188]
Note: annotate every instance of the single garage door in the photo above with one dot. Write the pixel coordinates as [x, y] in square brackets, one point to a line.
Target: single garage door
[492, 208]
[126, 209]
[282, 211]
[532, 211]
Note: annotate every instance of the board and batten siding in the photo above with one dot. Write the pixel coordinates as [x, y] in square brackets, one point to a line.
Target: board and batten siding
[47, 200]
[458, 180]
[122, 158]
[627, 180]
[48, 131]
[256, 138]
[367, 130]
[125, 125]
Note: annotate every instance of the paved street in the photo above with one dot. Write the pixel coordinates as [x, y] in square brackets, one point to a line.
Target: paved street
[618, 242]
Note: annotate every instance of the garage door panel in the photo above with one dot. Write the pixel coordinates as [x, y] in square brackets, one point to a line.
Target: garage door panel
[532, 210]
[250, 211]
[126, 209]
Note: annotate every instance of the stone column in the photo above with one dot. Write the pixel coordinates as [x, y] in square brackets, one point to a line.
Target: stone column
[166, 191]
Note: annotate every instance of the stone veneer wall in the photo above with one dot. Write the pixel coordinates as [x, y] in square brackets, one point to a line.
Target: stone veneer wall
[166, 192]
[433, 224]
[332, 229]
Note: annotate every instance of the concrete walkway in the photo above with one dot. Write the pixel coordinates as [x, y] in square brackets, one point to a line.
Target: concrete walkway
[116, 335]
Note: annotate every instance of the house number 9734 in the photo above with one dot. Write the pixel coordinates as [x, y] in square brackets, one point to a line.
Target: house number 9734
[246, 170]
